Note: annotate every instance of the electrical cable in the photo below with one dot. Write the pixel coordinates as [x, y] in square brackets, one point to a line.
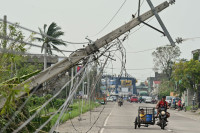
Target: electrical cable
[20, 108]
[22, 27]
[131, 69]
[27, 121]
[67, 101]
[141, 51]
[93, 87]
[43, 125]
[18, 111]
[111, 19]
[28, 43]
[140, 6]
[96, 120]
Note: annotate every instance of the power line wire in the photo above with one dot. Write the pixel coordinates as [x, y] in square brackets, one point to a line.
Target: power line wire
[111, 19]
[28, 43]
[22, 27]
[46, 103]
[134, 52]
[139, 6]
[130, 69]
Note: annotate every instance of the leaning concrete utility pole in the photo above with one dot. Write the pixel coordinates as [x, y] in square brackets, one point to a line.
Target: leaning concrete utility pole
[81, 54]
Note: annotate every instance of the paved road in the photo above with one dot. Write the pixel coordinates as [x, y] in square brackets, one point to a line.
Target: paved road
[114, 119]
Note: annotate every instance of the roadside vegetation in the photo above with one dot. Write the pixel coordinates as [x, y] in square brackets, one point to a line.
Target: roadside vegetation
[15, 69]
[36, 102]
[180, 73]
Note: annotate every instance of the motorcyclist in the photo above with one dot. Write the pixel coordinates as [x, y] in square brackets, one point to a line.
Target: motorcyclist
[162, 103]
[120, 100]
[140, 99]
[179, 104]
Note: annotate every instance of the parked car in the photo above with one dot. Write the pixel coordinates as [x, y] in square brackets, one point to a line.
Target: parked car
[110, 99]
[134, 99]
[148, 100]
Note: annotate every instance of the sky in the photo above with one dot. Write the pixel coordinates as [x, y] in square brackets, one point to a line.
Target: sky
[81, 18]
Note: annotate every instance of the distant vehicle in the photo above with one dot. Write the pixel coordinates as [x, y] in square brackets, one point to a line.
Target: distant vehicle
[154, 101]
[169, 99]
[114, 98]
[174, 102]
[134, 99]
[110, 99]
[144, 98]
[148, 100]
[129, 99]
[125, 98]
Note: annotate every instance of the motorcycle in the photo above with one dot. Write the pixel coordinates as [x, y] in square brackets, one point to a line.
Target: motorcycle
[163, 118]
[140, 100]
[182, 107]
[120, 103]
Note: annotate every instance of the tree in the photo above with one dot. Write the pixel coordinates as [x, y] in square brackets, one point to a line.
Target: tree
[12, 65]
[165, 88]
[49, 43]
[10, 62]
[164, 58]
[187, 74]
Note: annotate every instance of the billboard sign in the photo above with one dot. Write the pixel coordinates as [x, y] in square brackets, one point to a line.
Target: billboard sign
[126, 82]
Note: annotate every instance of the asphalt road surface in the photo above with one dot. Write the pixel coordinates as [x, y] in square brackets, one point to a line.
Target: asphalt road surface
[114, 119]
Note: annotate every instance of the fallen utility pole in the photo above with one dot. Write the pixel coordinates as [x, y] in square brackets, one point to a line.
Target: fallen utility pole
[80, 54]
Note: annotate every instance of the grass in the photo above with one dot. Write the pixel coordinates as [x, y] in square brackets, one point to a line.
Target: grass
[47, 112]
[76, 107]
[188, 108]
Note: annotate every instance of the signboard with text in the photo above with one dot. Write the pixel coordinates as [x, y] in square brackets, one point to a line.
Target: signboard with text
[126, 82]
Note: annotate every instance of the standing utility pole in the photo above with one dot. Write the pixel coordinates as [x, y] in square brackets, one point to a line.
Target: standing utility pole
[4, 31]
[45, 56]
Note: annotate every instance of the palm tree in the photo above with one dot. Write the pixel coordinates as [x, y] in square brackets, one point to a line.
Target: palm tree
[51, 42]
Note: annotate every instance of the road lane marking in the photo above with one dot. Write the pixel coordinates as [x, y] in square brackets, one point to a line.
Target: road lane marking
[102, 129]
[170, 130]
[107, 119]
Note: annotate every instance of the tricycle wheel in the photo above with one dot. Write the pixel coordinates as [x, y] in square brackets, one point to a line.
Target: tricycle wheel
[136, 123]
[139, 125]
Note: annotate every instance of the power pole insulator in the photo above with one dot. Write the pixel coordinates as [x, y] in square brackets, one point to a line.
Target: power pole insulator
[172, 2]
[179, 40]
